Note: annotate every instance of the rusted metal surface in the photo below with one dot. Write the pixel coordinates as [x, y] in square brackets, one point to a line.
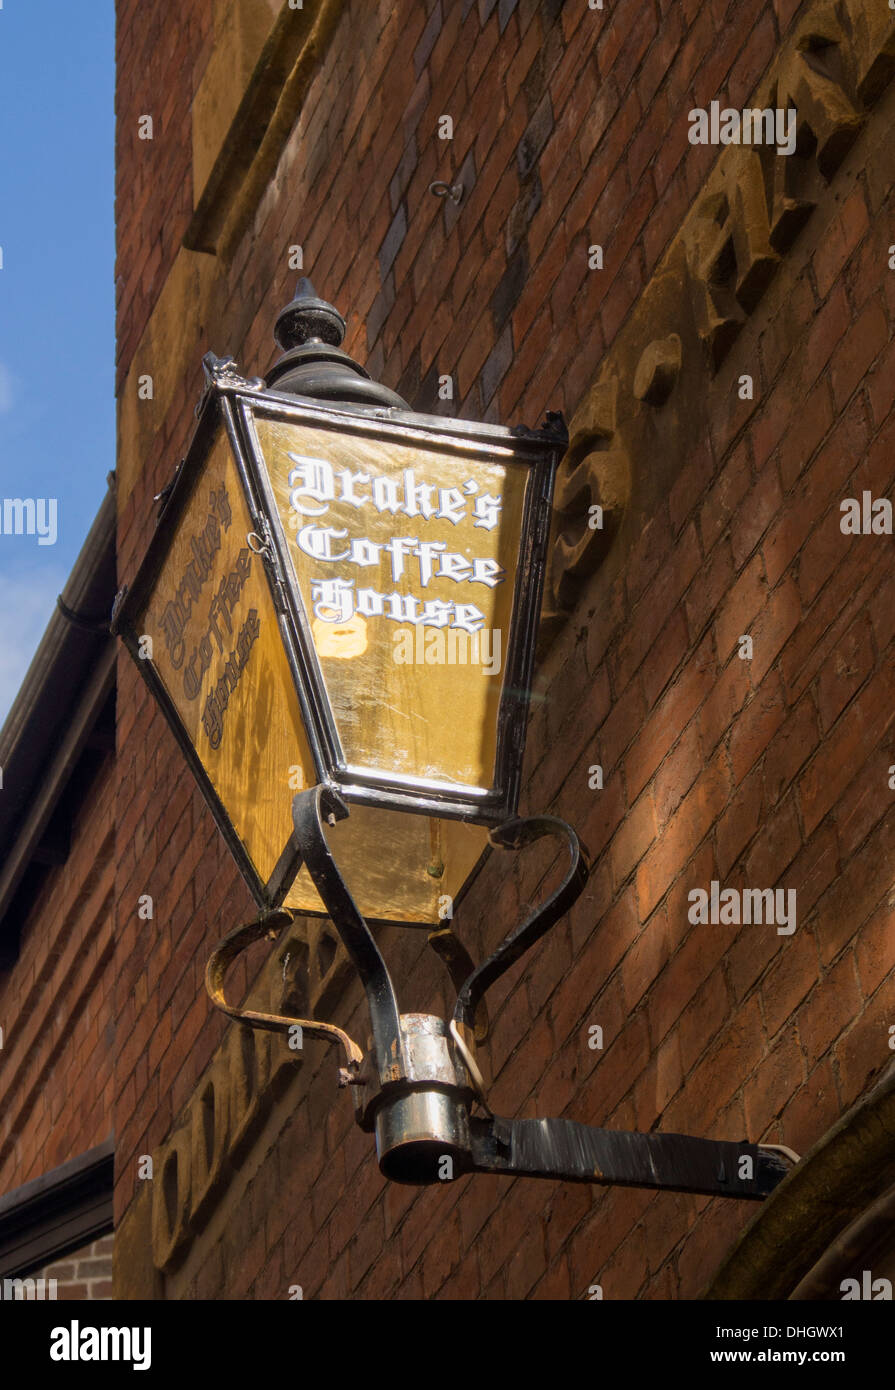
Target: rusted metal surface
[270, 924]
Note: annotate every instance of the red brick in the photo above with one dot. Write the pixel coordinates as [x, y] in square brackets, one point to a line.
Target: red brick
[666, 722]
[851, 360]
[833, 1006]
[793, 975]
[714, 580]
[633, 838]
[812, 1110]
[798, 446]
[716, 717]
[840, 240]
[683, 976]
[846, 747]
[775, 1080]
[677, 773]
[865, 1049]
[773, 626]
[707, 1011]
[775, 847]
[653, 611]
[555, 1284]
[724, 500]
[856, 892]
[740, 821]
[875, 949]
[881, 384]
[755, 513]
[645, 959]
[756, 726]
[690, 823]
[844, 672]
[743, 603]
[718, 1075]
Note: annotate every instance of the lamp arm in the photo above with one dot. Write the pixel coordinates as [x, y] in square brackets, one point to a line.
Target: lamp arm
[515, 834]
[308, 809]
[572, 1152]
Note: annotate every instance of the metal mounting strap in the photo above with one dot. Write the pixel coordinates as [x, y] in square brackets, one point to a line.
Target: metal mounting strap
[572, 1152]
[346, 918]
[460, 965]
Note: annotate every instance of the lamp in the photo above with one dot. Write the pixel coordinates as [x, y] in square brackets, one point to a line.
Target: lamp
[337, 611]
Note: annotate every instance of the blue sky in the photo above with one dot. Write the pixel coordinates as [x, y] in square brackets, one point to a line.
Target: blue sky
[57, 297]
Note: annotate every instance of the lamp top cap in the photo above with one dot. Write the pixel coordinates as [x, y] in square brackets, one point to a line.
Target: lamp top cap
[308, 319]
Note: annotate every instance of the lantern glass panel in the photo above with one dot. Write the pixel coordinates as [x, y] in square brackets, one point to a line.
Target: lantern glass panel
[402, 868]
[404, 558]
[217, 650]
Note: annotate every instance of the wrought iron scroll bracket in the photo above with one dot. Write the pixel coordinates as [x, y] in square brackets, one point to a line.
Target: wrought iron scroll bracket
[516, 834]
[571, 1152]
[223, 957]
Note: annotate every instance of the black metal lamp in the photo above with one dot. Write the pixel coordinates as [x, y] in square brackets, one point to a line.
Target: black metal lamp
[339, 609]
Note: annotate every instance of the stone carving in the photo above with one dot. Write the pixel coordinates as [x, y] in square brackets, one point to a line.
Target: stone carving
[658, 370]
[593, 474]
[249, 1070]
[832, 68]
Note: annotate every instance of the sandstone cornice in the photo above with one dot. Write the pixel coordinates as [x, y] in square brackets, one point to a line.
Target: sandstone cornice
[251, 144]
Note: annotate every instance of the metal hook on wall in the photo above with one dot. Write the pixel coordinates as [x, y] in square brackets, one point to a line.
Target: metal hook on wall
[440, 189]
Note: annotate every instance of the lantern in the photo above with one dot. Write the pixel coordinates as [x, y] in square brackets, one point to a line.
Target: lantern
[338, 609]
[341, 592]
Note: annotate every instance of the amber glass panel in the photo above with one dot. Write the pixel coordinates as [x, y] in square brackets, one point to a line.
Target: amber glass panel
[399, 867]
[217, 647]
[405, 560]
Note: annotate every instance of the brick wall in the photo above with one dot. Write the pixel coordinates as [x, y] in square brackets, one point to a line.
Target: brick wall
[56, 1006]
[569, 129]
[84, 1274]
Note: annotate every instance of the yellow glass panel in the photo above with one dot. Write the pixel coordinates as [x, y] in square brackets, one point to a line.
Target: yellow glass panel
[405, 558]
[399, 867]
[217, 649]
[216, 646]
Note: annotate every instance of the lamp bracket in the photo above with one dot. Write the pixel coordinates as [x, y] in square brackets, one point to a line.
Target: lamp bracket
[308, 809]
[418, 1088]
[516, 834]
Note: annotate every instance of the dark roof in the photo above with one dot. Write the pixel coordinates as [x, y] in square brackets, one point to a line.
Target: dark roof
[65, 691]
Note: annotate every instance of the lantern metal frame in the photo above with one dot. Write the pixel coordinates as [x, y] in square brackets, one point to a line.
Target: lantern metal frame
[230, 401]
[540, 453]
